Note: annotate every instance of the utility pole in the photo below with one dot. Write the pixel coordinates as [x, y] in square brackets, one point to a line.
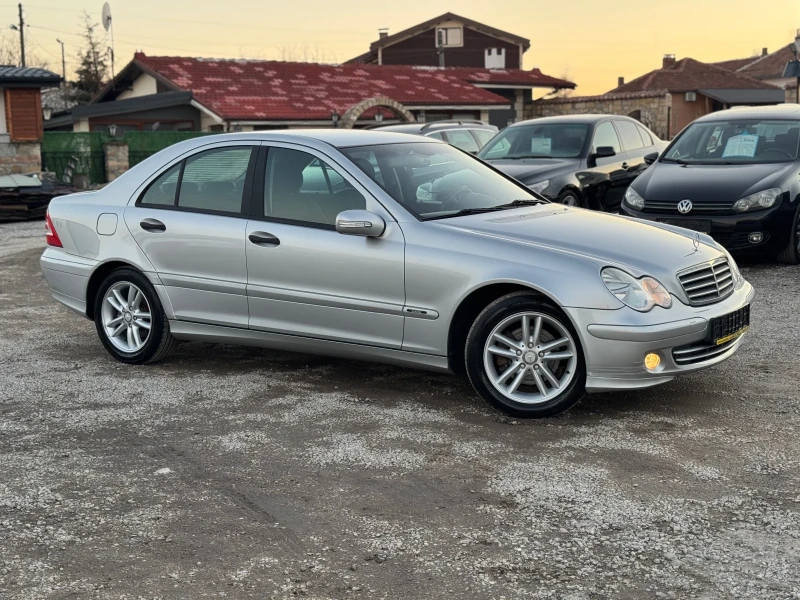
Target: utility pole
[63, 75]
[21, 36]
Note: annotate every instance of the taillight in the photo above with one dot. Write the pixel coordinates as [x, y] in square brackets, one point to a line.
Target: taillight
[52, 236]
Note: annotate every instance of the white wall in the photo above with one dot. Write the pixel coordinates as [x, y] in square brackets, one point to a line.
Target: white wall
[144, 85]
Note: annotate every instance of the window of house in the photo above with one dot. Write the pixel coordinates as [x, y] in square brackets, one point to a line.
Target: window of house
[630, 135]
[605, 135]
[162, 191]
[461, 138]
[214, 180]
[301, 188]
[449, 36]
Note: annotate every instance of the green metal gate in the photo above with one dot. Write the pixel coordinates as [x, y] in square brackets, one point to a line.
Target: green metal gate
[74, 153]
[143, 144]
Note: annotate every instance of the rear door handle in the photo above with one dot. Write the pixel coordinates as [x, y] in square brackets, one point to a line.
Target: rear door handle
[152, 225]
[625, 165]
[262, 238]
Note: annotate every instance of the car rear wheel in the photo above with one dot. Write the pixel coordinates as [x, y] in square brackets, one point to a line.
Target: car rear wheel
[130, 320]
[524, 357]
[791, 253]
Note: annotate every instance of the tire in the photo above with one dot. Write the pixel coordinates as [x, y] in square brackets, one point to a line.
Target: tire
[571, 198]
[485, 366]
[153, 344]
[791, 253]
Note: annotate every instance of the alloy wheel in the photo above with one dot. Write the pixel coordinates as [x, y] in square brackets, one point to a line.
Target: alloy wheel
[126, 317]
[530, 357]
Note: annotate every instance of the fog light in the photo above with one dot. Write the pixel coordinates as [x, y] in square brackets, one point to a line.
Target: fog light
[756, 238]
[651, 361]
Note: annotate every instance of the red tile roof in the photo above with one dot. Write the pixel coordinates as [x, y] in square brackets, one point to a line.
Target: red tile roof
[532, 78]
[734, 64]
[770, 66]
[688, 75]
[607, 96]
[274, 90]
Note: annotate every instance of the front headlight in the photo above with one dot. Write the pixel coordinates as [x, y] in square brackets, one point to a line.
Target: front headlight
[540, 186]
[633, 199]
[759, 200]
[738, 278]
[639, 294]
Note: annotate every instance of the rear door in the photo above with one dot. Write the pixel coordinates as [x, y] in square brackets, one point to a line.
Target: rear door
[607, 177]
[190, 222]
[632, 141]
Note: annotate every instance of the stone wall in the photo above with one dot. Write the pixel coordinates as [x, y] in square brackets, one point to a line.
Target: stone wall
[790, 94]
[116, 160]
[651, 108]
[20, 157]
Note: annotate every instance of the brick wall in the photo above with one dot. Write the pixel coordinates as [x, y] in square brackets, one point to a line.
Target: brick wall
[20, 157]
[116, 157]
[652, 109]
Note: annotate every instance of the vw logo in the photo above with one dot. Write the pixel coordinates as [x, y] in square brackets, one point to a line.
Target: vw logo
[684, 206]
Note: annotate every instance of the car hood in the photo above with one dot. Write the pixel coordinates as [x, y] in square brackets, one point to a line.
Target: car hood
[710, 183]
[640, 247]
[531, 170]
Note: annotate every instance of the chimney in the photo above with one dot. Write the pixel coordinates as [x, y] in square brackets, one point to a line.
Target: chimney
[669, 60]
[383, 33]
[764, 52]
[620, 81]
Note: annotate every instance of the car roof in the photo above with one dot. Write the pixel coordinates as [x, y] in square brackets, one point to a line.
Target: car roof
[436, 126]
[778, 111]
[339, 138]
[589, 119]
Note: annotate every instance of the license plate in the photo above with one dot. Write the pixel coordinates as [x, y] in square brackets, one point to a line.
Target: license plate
[693, 224]
[728, 327]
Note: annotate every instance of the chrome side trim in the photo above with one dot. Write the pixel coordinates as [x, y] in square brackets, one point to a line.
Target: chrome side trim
[185, 330]
[298, 297]
[204, 285]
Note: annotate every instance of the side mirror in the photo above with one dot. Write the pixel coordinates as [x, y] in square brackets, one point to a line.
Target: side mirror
[604, 152]
[360, 222]
[651, 158]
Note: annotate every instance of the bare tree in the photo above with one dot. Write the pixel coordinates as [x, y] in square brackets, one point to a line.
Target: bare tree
[10, 54]
[307, 53]
[91, 74]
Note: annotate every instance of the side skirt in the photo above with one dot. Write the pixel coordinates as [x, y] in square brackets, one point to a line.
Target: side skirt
[216, 334]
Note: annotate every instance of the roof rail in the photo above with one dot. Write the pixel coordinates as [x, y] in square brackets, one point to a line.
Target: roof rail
[459, 121]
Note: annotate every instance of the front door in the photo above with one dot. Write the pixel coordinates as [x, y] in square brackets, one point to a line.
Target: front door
[306, 279]
[607, 177]
[190, 222]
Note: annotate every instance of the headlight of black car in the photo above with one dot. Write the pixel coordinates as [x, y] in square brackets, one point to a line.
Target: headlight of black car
[633, 199]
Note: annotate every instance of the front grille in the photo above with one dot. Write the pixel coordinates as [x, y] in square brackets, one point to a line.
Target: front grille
[708, 282]
[670, 207]
[700, 352]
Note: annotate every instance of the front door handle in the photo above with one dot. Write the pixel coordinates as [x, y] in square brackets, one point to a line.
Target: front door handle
[152, 225]
[262, 238]
[625, 166]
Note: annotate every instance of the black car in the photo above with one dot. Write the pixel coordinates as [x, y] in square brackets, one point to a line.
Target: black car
[466, 134]
[580, 160]
[734, 174]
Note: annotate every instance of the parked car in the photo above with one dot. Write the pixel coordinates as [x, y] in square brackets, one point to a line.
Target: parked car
[578, 160]
[468, 135]
[731, 174]
[236, 239]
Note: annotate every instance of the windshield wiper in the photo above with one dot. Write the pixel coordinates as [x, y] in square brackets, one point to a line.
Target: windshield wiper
[523, 202]
[529, 156]
[484, 209]
[679, 161]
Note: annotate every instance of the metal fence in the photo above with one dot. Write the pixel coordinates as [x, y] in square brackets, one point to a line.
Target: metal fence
[74, 153]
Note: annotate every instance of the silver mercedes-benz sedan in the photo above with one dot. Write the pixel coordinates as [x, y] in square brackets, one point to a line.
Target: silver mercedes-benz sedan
[387, 247]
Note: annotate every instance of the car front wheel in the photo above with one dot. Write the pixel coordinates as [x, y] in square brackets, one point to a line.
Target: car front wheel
[130, 320]
[791, 253]
[524, 357]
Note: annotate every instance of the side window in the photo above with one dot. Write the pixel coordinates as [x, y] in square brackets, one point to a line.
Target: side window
[214, 180]
[605, 135]
[162, 191]
[301, 188]
[647, 139]
[461, 138]
[630, 135]
[500, 147]
[437, 135]
[483, 136]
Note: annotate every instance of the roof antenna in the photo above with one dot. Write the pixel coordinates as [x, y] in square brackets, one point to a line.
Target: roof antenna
[108, 26]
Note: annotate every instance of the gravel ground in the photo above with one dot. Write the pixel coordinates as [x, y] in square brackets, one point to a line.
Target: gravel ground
[242, 473]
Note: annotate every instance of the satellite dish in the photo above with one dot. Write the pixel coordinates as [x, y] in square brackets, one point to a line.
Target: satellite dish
[106, 16]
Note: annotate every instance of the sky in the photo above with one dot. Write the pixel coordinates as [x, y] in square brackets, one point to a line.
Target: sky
[591, 42]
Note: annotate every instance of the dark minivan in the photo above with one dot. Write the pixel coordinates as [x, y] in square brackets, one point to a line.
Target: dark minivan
[734, 174]
[580, 160]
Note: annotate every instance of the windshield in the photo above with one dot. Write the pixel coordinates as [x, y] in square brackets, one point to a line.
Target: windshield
[436, 180]
[552, 140]
[736, 142]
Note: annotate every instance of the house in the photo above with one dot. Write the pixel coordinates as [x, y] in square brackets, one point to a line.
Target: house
[198, 94]
[768, 67]
[21, 129]
[669, 98]
[452, 41]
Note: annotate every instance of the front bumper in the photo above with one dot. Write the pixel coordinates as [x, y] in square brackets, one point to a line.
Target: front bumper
[732, 231]
[615, 342]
